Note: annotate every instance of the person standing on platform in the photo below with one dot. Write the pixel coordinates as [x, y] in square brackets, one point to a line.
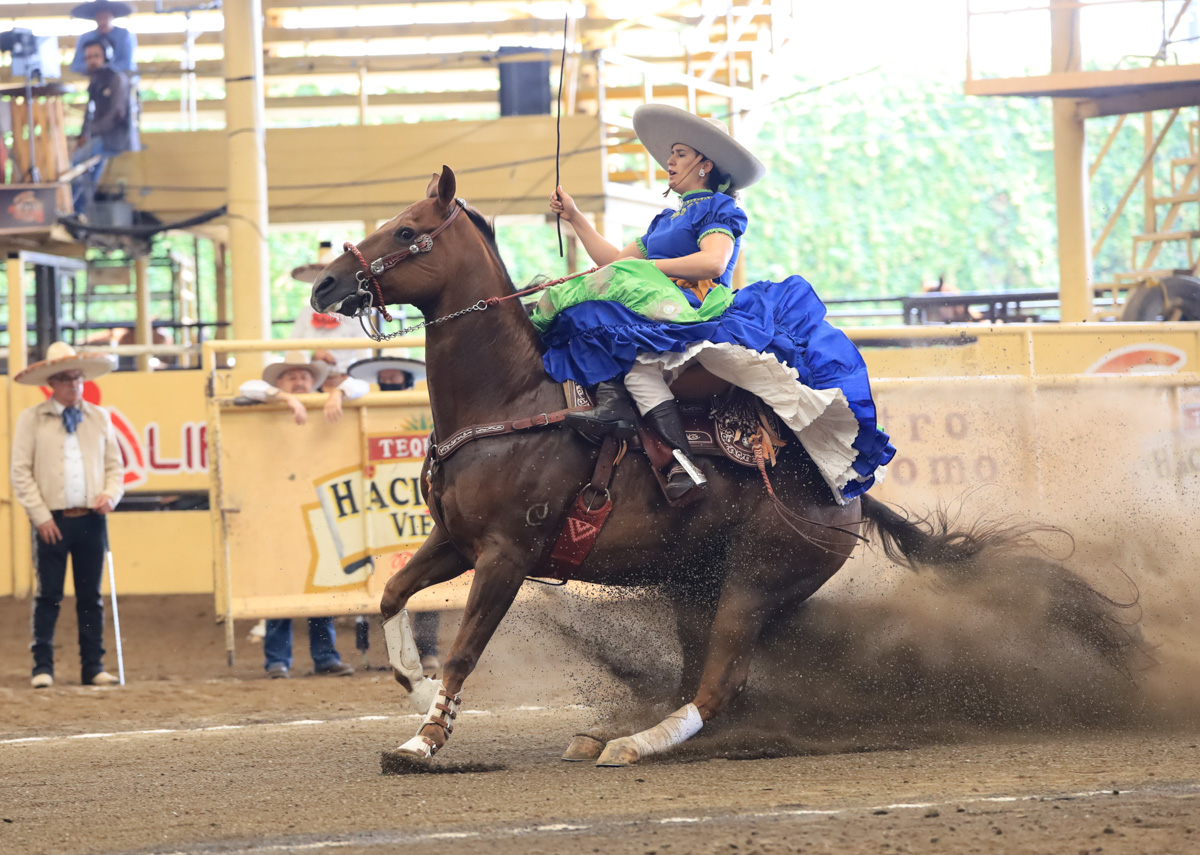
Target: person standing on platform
[68, 475]
[106, 127]
[122, 41]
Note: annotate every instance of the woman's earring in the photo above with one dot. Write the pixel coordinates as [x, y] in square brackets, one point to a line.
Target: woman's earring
[701, 173]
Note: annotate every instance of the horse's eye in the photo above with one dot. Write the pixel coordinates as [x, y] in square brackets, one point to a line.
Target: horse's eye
[406, 234]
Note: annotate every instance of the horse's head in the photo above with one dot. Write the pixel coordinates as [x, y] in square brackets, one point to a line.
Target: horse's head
[401, 258]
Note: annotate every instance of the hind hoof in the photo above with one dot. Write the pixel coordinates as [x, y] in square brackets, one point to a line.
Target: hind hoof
[583, 747]
[619, 752]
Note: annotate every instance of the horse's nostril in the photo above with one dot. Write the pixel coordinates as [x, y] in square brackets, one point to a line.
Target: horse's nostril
[322, 290]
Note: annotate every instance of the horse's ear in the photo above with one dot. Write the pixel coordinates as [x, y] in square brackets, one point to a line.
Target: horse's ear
[432, 189]
[446, 187]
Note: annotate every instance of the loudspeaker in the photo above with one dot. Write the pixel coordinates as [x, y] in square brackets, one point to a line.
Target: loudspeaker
[525, 85]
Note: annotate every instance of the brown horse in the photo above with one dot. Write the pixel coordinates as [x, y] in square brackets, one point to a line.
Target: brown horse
[728, 564]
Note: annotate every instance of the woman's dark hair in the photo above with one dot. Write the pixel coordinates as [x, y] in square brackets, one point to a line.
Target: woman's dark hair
[714, 178]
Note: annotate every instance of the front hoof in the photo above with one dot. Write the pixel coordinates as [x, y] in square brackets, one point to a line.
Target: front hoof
[583, 747]
[619, 752]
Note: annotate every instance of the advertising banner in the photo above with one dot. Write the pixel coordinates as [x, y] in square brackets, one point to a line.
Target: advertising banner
[317, 517]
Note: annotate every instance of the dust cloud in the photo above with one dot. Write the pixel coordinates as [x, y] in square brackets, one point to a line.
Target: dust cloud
[885, 657]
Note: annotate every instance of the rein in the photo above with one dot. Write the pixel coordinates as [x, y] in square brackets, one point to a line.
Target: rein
[372, 293]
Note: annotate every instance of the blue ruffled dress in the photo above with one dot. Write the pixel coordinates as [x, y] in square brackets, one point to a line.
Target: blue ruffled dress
[773, 339]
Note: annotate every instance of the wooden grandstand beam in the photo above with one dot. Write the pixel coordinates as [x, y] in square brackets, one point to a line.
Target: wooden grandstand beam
[302, 35]
[19, 11]
[24, 11]
[302, 66]
[403, 99]
[321, 102]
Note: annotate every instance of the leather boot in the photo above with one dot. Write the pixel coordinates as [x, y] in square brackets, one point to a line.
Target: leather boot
[666, 422]
[613, 413]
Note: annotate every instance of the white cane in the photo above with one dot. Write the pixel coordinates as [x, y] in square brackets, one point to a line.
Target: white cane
[112, 589]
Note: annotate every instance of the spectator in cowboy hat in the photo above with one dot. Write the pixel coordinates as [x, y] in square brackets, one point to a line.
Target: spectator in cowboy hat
[123, 42]
[68, 475]
[391, 373]
[296, 375]
[395, 374]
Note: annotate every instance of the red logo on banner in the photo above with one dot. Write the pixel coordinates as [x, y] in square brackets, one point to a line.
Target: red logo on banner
[408, 446]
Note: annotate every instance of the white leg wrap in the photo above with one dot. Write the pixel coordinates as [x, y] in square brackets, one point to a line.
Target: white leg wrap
[405, 658]
[442, 711]
[676, 728]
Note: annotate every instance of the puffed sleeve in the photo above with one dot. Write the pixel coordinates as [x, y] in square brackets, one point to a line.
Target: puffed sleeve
[641, 242]
[720, 214]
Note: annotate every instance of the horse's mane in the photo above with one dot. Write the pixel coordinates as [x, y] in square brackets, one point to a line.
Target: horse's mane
[489, 235]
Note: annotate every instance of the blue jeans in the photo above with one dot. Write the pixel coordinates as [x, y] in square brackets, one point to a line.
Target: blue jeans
[83, 188]
[277, 644]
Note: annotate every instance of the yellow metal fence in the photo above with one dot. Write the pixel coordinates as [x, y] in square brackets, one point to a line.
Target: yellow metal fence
[1109, 376]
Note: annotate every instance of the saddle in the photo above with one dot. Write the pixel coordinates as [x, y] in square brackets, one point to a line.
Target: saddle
[721, 420]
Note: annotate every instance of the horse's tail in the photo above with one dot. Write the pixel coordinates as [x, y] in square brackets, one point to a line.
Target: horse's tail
[935, 542]
[998, 555]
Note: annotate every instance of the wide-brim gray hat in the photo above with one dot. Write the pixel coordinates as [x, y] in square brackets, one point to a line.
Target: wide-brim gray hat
[90, 10]
[660, 127]
[368, 369]
[295, 359]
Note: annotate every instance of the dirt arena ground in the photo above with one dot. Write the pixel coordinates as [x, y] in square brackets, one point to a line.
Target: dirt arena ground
[193, 756]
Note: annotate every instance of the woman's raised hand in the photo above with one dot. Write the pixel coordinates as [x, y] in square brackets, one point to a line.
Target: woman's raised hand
[563, 205]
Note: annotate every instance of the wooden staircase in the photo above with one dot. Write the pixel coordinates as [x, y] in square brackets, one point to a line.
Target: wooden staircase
[1169, 229]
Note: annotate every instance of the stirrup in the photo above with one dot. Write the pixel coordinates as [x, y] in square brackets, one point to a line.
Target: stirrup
[690, 468]
[680, 484]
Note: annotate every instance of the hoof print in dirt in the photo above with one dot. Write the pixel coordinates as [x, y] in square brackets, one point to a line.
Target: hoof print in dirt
[402, 763]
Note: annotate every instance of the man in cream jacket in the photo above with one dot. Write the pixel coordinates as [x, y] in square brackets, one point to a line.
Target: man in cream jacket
[68, 475]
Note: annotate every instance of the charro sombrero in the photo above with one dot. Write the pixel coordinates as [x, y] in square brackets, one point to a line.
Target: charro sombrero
[94, 8]
[660, 126]
[318, 369]
[61, 357]
[306, 273]
[368, 369]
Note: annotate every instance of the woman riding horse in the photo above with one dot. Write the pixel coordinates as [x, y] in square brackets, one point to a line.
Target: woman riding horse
[664, 301]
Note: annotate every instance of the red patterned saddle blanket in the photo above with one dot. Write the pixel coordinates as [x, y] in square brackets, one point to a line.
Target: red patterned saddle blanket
[722, 426]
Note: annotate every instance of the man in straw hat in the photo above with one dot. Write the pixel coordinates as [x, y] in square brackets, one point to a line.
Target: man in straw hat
[122, 41]
[392, 373]
[296, 375]
[67, 473]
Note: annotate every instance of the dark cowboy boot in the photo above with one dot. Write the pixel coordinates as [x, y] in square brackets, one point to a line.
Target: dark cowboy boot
[613, 413]
[684, 474]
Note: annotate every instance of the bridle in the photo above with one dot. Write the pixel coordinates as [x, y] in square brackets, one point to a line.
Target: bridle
[368, 283]
[371, 292]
